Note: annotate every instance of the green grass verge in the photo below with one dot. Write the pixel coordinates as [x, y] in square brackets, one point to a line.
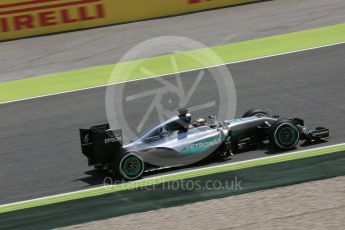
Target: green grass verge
[169, 178]
[160, 65]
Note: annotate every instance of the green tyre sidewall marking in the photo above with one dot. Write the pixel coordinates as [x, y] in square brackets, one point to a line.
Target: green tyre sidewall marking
[280, 142]
[281, 135]
[127, 163]
[128, 159]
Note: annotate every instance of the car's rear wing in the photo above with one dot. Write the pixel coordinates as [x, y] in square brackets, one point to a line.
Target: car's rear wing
[100, 144]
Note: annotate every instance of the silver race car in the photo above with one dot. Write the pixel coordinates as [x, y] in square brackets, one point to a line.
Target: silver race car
[181, 142]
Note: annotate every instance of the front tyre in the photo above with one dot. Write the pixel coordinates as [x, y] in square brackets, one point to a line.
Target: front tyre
[131, 166]
[284, 134]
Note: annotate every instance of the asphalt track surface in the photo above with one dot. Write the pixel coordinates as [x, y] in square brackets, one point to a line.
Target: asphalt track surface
[39, 143]
[75, 50]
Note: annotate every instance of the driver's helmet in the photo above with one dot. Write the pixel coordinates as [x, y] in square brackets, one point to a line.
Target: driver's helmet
[200, 122]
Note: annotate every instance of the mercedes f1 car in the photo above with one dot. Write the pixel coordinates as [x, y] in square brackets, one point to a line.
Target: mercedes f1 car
[181, 142]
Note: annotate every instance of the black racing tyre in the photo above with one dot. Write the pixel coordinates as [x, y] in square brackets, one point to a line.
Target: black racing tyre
[254, 112]
[284, 134]
[131, 166]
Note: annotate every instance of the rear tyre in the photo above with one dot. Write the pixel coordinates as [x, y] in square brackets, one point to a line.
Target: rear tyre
[254, 112]
[131, 166]
[284, 134]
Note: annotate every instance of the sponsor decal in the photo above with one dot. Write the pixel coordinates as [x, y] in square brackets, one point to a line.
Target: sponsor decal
[38, 13]
[113, 139]
[322, 132]
[164, 131]
[87, 139]
[203, 146]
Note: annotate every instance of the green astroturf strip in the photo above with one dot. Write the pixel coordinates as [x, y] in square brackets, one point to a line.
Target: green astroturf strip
[174, 177]
[160, 65]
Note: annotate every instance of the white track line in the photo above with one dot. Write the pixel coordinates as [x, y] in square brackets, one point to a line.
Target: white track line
[185, 71]
[170, 174]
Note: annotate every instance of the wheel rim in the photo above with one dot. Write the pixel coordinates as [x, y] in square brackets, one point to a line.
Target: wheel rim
[132, 167]
[286, 136]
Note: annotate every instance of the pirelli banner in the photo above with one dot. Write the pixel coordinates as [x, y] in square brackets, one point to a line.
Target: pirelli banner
[24, 18]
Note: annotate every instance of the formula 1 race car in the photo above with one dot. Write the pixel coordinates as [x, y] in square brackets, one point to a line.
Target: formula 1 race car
[180, 142]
